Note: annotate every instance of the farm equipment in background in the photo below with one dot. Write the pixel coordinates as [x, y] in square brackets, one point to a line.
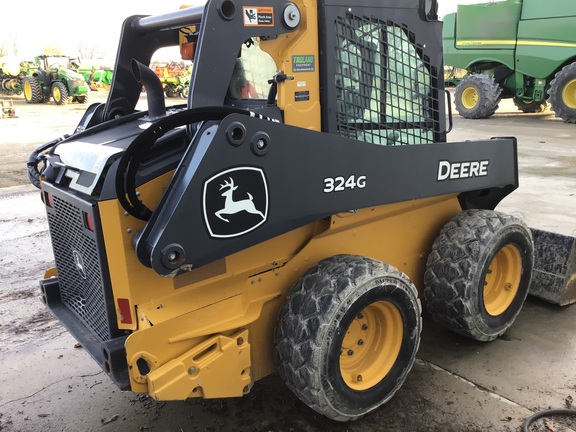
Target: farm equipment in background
[8, 110]
[175, 78]
[12, 72]
[97, 78]
[55, 78]
[176, 86]
[202, 247]
[520, 49]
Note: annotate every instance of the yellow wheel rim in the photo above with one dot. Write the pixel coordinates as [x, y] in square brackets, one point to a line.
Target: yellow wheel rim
[371, 345]
[502, 280]
[56, 94]
[27, 90]
[569, 94]
[469, 97]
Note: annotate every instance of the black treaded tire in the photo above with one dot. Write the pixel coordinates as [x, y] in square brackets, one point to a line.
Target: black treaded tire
[60, 93]
[325, 310]
[477, 96]
[32, 90]
[562, 93]
[530, 106]
[478, 273]
[82, 99]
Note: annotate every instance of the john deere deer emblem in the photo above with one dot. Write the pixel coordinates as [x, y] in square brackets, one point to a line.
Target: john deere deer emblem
[235, 202]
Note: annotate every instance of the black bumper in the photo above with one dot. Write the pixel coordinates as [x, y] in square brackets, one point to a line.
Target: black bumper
[110, 355]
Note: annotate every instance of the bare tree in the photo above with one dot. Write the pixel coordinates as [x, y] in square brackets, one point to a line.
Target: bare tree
[13, 38]
[88, 51]
[51, 50]
[9, 44]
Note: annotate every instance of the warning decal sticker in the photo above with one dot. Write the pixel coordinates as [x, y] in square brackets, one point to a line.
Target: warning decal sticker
[258, 16]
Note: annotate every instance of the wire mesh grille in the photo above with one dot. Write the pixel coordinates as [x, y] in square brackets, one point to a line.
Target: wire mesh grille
[384, 84]
[79, 274]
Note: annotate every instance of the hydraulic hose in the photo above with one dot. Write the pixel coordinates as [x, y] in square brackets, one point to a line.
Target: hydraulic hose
[546, 413]
[36, 157]
[128, 164]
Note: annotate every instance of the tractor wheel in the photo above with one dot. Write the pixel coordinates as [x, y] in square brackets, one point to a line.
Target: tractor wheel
[82, 99]
[477, 96]
[32, 90]
[347, 335]
[478, 273]
[562, 93]
[183, 92]
[170, 92]
[59, 93]
[530, 106]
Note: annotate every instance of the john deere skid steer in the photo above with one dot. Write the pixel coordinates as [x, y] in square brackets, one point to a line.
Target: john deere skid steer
[290, 217]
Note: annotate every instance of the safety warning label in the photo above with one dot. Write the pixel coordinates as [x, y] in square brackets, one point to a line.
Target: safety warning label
[258, 16]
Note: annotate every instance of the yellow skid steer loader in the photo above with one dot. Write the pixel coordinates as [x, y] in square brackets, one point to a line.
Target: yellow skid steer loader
[290, 217]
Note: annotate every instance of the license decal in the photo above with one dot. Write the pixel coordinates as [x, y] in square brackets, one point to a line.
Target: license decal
[303, 63]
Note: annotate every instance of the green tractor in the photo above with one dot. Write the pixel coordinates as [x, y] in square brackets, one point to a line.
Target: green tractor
[56, 78]
[176, 86]
[520, 49]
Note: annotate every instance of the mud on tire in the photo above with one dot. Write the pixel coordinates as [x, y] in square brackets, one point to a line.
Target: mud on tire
[478, 273]
[347, 335]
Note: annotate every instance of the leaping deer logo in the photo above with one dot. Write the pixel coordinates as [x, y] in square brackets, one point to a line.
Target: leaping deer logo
[233, 207]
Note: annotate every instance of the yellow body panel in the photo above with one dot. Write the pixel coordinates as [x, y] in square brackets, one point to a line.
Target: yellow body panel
[174, 321]
[304, 41]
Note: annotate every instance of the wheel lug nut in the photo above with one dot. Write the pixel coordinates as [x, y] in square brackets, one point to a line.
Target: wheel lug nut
[360, 315]
[350, 352]
[364, 327]
[360, 342]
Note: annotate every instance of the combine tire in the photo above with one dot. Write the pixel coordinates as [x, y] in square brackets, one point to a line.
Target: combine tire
[59, 93]
[32, 90]
[347, 335]
[530, 106]
[562, 93]
[477, 97]
[478, 273]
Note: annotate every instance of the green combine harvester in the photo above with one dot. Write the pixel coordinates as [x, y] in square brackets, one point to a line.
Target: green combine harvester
[520, 49]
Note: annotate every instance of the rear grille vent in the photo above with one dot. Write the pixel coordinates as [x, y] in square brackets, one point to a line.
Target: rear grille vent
[81, 285]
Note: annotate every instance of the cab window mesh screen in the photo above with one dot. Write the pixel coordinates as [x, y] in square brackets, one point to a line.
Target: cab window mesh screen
[383, 84]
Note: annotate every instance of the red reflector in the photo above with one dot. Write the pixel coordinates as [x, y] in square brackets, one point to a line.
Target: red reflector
[125, 312]
[88, 221]
[48, 200]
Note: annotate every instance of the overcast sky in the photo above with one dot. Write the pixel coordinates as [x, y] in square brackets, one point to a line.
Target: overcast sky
[92, 24]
